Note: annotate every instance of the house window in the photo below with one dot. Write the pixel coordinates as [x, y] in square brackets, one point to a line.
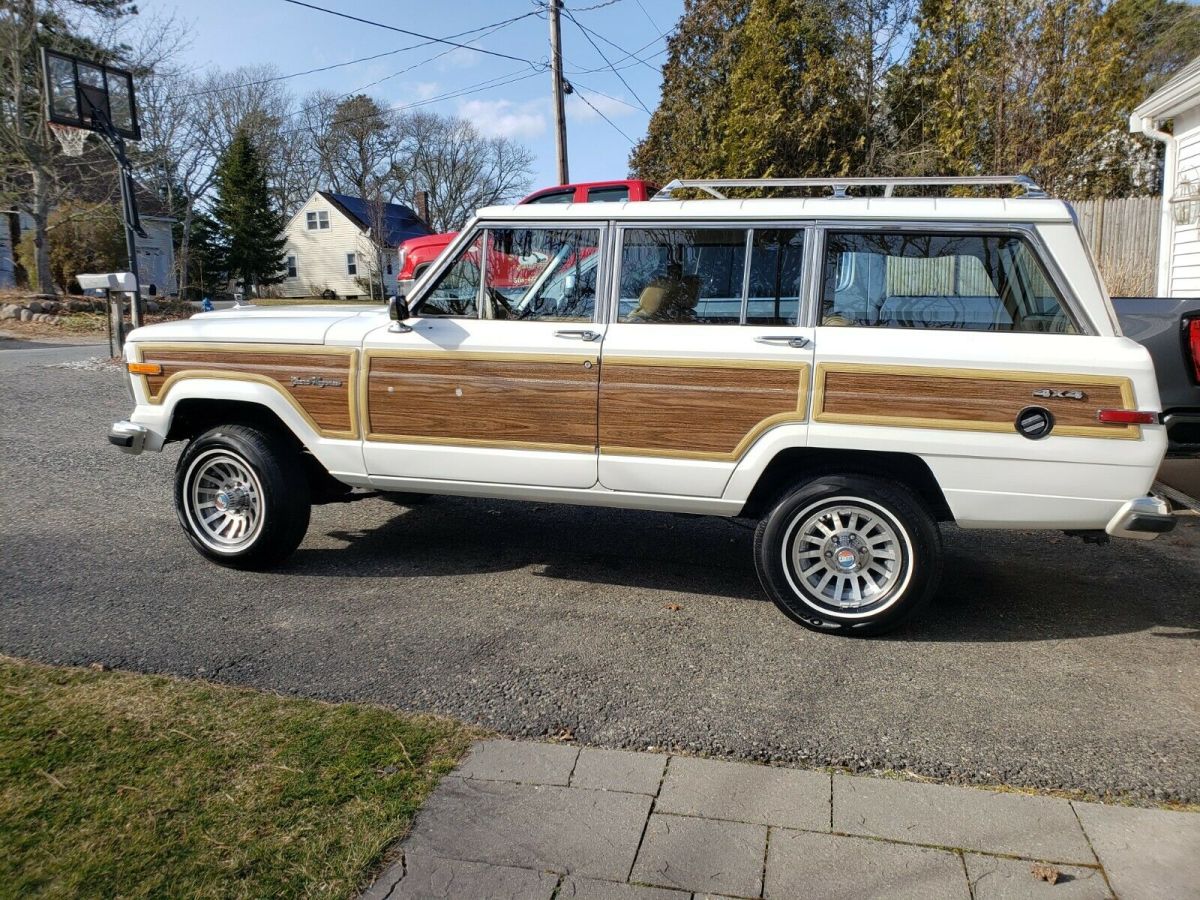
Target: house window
[317, 219]
[291, 267]
[389, 267]
[351, 264]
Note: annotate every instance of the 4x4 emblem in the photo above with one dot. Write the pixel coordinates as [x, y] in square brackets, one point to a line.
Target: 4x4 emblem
[1056, 394]
[315, 381]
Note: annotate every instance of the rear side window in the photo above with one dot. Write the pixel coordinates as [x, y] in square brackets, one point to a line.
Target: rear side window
[608, 194]
[567, 196]
[965, 282]
[682, 276]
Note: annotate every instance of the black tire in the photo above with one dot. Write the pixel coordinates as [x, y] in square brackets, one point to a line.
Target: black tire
[252, 479]
[849, 554]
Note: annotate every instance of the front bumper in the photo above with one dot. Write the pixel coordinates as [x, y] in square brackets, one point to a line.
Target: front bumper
[1143, 518]
[129, 437]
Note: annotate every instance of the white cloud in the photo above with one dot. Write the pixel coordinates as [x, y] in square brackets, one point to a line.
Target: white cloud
[612, 107]
[504, 118]
[423, 90]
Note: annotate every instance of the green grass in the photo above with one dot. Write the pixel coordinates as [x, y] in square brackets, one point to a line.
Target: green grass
[113, 784]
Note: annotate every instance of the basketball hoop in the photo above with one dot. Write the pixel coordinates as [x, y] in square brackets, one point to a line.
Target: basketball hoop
[72, 139]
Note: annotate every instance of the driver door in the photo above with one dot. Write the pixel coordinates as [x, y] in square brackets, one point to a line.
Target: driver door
[497, 379]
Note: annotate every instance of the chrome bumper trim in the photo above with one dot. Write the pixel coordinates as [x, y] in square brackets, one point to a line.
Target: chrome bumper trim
[1144, 518]
[129, 437]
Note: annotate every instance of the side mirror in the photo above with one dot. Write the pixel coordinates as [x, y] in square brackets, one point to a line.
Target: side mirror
[399, 312]
[398, 309]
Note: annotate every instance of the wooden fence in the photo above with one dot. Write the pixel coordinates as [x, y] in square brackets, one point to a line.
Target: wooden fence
[1123, 235]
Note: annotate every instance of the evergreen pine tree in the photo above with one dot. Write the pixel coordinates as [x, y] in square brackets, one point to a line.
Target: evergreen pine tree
[251, 231]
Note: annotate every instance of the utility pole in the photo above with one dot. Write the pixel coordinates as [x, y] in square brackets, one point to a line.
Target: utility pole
[560, 118]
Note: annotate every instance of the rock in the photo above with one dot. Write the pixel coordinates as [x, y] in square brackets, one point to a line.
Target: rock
[34, 306]
[52, 307]
[151, 306]
[26, 315]
[10, 311]
[79, 306]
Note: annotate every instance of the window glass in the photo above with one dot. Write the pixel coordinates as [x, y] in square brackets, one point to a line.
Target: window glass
[968, 282]
[776, 267]
[541, 273]
[311, 220]
[557, 197]
[608, 194]
[682, 275]
[291, 267]
[455, 293]
[351, 264]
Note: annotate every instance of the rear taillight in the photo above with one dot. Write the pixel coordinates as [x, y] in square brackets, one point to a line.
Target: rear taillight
[1192, 340]
[1127, 417]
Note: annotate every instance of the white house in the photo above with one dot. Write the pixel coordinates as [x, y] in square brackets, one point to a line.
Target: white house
[330, 248]
[1177, 102]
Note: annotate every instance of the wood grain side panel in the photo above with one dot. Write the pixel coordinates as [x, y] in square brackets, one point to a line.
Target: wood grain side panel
[483, 401]
[693, 410]
[988, 401]
[328, 406]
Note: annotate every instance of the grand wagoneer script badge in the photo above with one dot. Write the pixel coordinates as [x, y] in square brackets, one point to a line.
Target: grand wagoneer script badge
[1056, 394]
[315, 381]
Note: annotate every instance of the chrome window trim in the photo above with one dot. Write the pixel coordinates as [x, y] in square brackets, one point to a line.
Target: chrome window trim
[1076, 311]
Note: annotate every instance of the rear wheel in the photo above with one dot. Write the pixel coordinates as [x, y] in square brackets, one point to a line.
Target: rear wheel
[849, 554]
[242, 496]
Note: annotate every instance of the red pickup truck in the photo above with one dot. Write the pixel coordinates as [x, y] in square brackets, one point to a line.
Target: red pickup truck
[416, 254]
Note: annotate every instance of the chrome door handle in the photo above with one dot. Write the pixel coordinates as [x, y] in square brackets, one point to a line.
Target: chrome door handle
[798, 343]
[578, 335]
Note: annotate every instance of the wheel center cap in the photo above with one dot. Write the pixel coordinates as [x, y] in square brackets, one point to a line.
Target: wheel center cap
[846, 559]
[222, 501]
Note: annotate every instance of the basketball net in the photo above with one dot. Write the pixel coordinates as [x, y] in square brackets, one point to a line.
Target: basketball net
[72, 139]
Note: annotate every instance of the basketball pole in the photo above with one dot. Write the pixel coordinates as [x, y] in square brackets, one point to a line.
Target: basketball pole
[129, 212]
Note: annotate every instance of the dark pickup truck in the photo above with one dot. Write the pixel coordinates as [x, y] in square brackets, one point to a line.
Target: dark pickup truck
[1169, 327]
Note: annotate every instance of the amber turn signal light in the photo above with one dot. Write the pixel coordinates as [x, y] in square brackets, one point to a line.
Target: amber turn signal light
[1127, 417]
[144, 368]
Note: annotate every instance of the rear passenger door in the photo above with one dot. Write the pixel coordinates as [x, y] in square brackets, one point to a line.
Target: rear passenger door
[703, 354]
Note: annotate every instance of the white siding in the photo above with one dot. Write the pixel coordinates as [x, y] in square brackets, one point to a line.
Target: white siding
[156, 258]
[321, 255]
[1185, 257]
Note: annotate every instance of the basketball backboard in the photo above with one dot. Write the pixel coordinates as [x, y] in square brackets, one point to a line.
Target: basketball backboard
[81, 93]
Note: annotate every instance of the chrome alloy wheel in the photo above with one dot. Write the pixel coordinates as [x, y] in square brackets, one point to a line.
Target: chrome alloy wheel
[225, 504]
[847, 556]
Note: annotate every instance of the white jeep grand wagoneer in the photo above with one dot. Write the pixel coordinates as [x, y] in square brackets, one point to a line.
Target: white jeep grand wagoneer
[849, 371]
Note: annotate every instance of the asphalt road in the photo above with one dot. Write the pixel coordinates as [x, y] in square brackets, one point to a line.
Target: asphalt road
[1045, 662]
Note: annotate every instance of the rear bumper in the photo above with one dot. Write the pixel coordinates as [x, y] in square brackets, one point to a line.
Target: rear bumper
[1143, 518]
[130, 438]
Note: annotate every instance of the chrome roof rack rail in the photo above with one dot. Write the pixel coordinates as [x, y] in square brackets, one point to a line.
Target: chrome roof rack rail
[840, 186]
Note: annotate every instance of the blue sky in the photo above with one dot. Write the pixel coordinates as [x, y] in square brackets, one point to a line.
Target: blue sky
[230, 33]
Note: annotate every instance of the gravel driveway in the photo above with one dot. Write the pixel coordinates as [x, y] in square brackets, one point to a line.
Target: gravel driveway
[1045, 662]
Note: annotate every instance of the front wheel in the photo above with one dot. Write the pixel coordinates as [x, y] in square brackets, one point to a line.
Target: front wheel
[849, 554]
[242, 496]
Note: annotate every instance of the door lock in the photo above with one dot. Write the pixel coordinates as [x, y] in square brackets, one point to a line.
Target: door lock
[578, 334]
[794, 341]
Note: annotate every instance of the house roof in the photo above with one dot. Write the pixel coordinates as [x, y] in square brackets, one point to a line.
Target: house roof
[399, 223]
[1180, 93]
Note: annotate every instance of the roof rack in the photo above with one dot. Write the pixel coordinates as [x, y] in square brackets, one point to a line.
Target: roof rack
[840, 186]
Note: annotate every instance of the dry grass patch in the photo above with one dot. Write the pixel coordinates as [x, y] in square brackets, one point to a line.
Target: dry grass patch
[114, 784]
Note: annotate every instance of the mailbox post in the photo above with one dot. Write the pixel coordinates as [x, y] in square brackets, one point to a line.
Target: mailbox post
[111, 287]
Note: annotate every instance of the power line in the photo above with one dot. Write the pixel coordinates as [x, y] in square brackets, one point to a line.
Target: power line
[498, 81]
[350, 62]
[579, 94]
[606, 96]
[417, 34]
[596, 47]
[627, 56]
[588, 34]
[647, 15]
